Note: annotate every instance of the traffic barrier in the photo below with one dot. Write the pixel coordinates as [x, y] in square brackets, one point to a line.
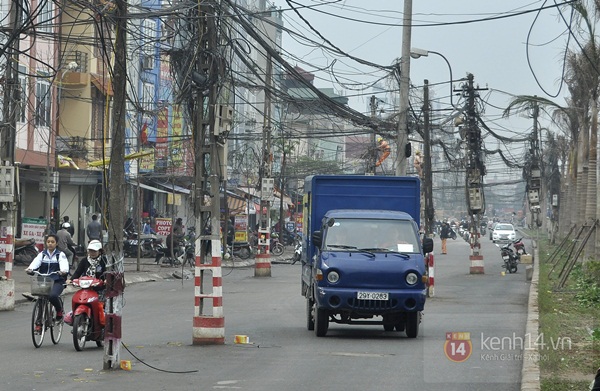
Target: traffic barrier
[262, 262]
[475, 258]
[7, 285]
[431, 274]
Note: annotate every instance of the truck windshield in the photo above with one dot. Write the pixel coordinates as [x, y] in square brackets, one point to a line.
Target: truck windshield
[386, 235]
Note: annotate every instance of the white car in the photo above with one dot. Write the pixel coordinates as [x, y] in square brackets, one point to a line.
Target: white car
[503, 232]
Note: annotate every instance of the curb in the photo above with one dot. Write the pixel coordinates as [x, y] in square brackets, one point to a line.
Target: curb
[530, 373]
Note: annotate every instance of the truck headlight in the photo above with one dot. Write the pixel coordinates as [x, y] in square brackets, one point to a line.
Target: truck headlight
[411, 278]
[333, 277]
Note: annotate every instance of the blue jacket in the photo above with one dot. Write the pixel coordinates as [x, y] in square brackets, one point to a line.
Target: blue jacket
[46, 263]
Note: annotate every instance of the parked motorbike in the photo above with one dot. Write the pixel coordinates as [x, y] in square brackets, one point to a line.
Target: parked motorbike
[452, 234]
[242, 250]
[25, 251]
[519, 247]
[297, 252]
[509, 257]
[163, 255]
[148, 245]
[184, 252]
[87, 317]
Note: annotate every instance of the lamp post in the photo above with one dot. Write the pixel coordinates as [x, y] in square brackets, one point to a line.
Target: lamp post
[428, 171]
[72, 66]
[418, 53]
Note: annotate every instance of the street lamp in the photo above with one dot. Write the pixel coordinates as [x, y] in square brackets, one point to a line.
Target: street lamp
[418, 53]
[71, 67]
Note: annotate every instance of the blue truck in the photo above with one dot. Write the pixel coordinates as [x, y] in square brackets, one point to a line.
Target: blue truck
[363, 261]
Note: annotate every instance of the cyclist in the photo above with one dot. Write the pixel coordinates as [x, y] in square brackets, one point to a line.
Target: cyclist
[52, 260]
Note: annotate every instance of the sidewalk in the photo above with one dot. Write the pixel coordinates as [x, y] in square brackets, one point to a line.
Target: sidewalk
[148, 271]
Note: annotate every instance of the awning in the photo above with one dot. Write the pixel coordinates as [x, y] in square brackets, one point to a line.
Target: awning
[236, 205]
[172, 187]
[135, 155]
[146, 187]
[102, 83]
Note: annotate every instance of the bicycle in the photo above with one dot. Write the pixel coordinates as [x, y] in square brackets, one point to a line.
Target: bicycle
[44, 313]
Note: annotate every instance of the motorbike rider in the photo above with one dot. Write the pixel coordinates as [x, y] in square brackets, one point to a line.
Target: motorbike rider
[94, 265]
[52, 260]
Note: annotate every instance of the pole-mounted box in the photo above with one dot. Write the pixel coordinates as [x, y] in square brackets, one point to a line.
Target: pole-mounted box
[7, 183]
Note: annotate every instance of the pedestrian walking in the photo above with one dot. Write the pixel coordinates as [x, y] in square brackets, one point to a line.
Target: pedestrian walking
[71, 228]
[94, 229]
[444, 235]
[65, 242]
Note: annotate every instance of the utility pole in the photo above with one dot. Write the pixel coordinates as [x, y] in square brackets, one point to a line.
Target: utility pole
[208, 329]
[262, 263]
[8, 172]
[372, 161]
[402, 136]
[474, 176]
[116, 197]
[427, 171]
[534, 183]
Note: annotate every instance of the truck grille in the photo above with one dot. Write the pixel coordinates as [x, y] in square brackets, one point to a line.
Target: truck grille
[372, 304]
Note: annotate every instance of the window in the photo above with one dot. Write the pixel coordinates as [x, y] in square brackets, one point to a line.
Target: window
[149, 37]
[388, 235]
[46, 16]
[42, 103]
[23, 95]
[148, 97]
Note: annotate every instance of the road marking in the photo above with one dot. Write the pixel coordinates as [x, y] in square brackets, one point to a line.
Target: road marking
[349, 354]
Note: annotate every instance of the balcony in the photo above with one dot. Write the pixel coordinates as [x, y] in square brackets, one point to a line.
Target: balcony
[74, 77]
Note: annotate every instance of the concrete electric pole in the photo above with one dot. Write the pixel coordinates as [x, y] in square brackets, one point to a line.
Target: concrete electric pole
[427, 171]
[8, 172]
[402, 136]
[116, 197]
[208, 328]
[262, 263]
[474, 176]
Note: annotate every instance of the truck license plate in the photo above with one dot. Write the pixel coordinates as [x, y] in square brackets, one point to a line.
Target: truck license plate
[372, 296]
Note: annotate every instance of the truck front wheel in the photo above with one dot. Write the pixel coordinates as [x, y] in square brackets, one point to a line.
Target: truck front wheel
[310, 322]
[321, 322]
[412, 324]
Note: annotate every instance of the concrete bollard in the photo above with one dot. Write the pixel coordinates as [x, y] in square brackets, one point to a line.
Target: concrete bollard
[529, 272]
[7, 295]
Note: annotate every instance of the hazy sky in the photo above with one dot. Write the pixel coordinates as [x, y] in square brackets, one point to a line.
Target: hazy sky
[494, 50]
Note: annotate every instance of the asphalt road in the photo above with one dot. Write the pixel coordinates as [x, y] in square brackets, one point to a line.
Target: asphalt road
[283, 354]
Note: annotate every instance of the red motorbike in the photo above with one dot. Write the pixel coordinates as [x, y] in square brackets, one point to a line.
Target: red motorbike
[88, 312]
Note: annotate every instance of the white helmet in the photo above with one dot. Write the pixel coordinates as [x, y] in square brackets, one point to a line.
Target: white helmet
[94, 245]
